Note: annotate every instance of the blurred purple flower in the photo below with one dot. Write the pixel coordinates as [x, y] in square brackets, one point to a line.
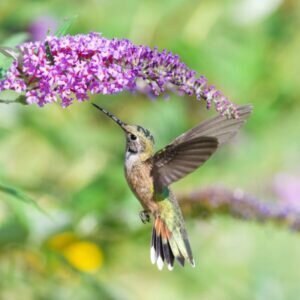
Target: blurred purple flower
[41, 26]
[74, 66]
[238, 204]
[287, 187]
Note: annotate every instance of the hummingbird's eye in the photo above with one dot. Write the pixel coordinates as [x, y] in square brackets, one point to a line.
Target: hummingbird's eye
[133, 137]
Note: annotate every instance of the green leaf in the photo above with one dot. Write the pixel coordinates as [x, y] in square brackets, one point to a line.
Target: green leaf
[20, 196]
[2, 72]
[8, 51]
[9, 96]
[64, 27]
[16, 39]
[5, 61]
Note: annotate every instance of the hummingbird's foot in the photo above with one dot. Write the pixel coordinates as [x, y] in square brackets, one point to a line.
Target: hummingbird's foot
[145, 216]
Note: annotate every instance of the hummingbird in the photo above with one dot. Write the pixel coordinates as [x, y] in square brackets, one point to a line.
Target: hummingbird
[149, 175]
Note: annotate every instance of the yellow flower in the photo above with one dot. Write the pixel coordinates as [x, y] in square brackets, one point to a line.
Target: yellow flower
[84, 256]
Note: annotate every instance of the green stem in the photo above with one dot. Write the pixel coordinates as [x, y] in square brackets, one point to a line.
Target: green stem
[7, 101]
[21, 99]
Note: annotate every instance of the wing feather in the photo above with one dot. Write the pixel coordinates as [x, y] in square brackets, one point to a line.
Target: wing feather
[220, 127]
[174, 162]
[191, 149]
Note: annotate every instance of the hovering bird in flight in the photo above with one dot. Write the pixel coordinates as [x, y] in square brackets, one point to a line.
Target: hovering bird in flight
[150, 174]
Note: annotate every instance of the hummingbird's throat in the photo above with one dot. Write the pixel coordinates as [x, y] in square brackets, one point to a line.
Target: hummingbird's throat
[132, 151]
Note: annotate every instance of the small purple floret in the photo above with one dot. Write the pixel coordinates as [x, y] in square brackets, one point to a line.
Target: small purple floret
[72, 67]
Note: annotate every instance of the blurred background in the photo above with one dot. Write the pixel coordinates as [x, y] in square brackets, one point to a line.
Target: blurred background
[90, 243]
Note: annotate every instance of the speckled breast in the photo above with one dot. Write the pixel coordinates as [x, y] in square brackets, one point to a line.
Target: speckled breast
[141, 183]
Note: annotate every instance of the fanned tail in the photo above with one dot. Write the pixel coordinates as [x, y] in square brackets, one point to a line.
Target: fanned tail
[170, 241]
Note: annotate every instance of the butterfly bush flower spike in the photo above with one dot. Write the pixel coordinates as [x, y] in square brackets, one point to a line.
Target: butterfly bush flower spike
[72, 67]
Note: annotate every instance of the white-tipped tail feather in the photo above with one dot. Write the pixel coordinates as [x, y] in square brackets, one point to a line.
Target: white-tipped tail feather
[165, 247]
[153, 255]
[193, 263]
[160, 263]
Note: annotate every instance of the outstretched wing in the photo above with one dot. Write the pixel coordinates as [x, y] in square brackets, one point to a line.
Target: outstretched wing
[219, 127]
[191, 149]
[177, 160]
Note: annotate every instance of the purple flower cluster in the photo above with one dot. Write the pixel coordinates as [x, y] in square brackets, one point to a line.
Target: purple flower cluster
[73, 66]
[236, 203]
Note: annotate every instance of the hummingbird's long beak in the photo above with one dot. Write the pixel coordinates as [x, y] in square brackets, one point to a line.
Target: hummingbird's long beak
[113, 117]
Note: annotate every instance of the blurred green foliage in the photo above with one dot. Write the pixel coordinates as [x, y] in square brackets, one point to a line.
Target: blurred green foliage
[71, 160]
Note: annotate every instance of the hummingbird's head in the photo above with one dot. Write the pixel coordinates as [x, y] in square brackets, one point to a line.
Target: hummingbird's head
[138, 139]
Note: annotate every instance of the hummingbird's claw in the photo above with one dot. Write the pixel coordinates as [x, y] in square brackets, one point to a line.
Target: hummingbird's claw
[145, 216]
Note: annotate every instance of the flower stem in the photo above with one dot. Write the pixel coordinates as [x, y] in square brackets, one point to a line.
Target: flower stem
[237, 204]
